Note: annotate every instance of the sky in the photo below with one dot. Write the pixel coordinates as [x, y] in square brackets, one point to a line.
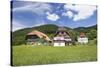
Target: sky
[27, 14]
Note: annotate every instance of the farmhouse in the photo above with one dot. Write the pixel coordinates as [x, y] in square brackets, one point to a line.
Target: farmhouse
[62, 37]
[82, 38]
[36, 37]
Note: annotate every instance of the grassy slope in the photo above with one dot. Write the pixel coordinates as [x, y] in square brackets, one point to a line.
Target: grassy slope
[30, 55]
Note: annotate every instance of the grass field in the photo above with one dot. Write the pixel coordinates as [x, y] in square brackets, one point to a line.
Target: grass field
[34, 55]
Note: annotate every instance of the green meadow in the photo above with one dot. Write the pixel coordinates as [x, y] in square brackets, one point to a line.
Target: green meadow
[36, 55]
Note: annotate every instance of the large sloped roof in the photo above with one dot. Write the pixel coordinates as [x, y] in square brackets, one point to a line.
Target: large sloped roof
[63, 29]
[39, 34]
[82, 34]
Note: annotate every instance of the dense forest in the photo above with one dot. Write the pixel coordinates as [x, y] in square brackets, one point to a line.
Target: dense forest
[18, 37]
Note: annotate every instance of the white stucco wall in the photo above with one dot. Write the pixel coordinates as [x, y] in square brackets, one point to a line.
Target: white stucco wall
[59, 44]
[58, 38]
[68, 39]
[83, 40]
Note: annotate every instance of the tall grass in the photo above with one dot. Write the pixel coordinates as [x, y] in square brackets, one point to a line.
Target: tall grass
[33, 55]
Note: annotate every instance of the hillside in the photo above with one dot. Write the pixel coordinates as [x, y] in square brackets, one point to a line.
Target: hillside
[86, 29]
[91, 32]
[18, 37]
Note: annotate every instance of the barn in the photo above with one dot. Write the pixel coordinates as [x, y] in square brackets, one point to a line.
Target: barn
[62, 37]
[37, 38]
[82, 38]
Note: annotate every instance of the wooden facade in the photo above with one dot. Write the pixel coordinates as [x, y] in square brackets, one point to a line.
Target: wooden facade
[36, 38]
[62, 37]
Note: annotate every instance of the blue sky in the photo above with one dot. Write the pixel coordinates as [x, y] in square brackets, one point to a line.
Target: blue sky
[29, 14]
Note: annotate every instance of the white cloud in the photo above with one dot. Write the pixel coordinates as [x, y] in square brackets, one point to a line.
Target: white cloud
[52, 17]
[38, 8]
[68, 13]
[17, 25]
[83, 11]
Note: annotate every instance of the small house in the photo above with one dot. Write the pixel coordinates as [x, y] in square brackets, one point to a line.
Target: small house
[36, 38]
[61, 37]
[82, 38]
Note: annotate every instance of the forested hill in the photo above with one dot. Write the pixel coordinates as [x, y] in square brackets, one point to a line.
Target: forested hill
[86, 29]
[18, 37]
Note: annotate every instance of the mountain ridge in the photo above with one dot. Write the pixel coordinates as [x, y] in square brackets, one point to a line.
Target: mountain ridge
[18, 37]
